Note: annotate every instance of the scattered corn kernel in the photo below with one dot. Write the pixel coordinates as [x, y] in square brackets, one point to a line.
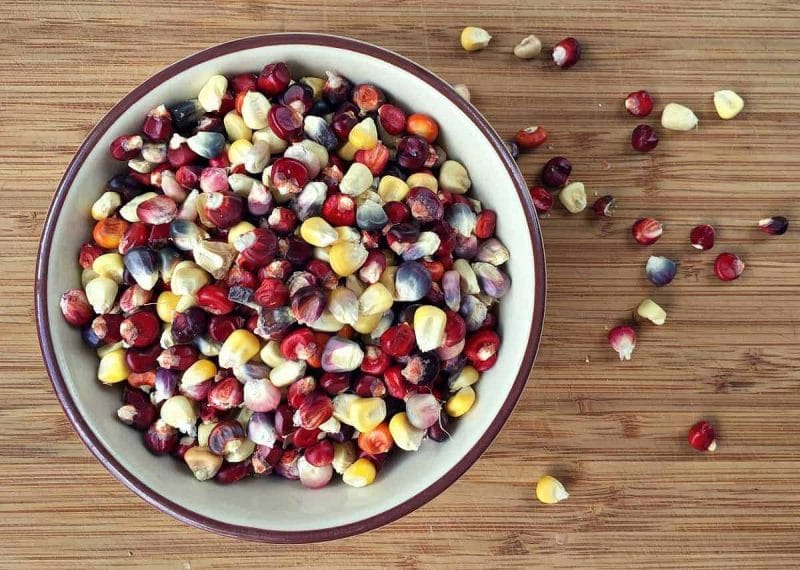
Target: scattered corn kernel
[678, 118]
[460, 403]
[239, 229]
[728, 104]
[199, 372]
[188, 278]
[467, 376]
[429, 325]
[255, 108]
[203, 464]
[648, 309]
[113, 367]
[573, 197]
[405, 435]
[360, 474]
[236, 128]
[474, 39]
[238, 151]
[271, 354]
[550, 491]
[528, 48]
[238, 348]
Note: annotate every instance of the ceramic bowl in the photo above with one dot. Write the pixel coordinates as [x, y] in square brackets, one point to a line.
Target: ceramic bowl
[273, 509]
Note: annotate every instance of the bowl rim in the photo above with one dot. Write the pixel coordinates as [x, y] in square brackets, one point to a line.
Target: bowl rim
[183, 513]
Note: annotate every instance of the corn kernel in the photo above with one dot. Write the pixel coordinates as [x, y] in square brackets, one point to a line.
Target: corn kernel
[203, 464]
[460, 403]
[316, 84]
[276, 144]
[106, 205]
[180, 413]
[255, 108]
[110, 265]
[346, 233]
[326, 323]
[113, 367]
[199, 372]
[573, 197]
[347, 257]
[474, 39]
[87, 275]
[323, 253]
[238, 151]
[188, 278]
[207, 347]
[271, 354]
[347, 152]
[101, 293]
[405, 435]
[287, 372]
[356, 180]
[650, 310]
[128, 211]
[355, 284]
[728, 104]
[317, 232]
[317, 150]
[239, 229]
[453, 177]
[366, 323]
[468, 281]
[235, 127]
[344, 455]
[215, 257]
[678, 118]
[242, 452]
[203, 431]
[423, 179]
[364, 136]
[238, 348]
[360, 474]
[388, 280]
[364, 414]
[375, 300]
[429, 323]
[392, 189]
[257, 158]
[550, 491]
[210, 96]
[467, 376]
[185, 302]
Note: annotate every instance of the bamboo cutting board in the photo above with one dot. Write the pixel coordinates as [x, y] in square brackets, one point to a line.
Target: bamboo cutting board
[614, 432]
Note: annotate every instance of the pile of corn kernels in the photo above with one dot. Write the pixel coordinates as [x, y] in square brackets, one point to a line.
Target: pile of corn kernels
[289, 278]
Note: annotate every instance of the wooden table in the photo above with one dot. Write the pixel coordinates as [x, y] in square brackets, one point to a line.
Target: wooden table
[614, 432]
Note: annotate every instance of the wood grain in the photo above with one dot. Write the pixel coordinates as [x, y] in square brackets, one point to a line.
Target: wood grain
[614, 432]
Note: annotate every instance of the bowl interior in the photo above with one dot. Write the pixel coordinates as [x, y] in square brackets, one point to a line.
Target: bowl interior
[275, 504]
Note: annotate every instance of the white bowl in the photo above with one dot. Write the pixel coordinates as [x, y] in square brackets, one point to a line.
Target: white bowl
[277, 510]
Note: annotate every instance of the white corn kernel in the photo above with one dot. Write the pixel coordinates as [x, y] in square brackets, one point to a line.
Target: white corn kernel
[405, 435]
[528, 48]
[728, 104]
[188, 278]
[573, 197]
[271, 354]
[106, 205]
[650, 310]
[453, 177]
[180, 413]
[110, 265]
[101, 293]
[255, 108]
[287, 372]
[210, 96]
[375, 300]
[678, 118]
[235, 127]
[356, 180]
[429, 323]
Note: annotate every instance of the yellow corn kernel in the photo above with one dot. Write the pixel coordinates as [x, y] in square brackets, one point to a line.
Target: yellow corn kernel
[199, 372]
[392, 189]
[346, 233]
[109, 265]
[347, 257]
[460, 403]
[366, 323]
[101, 293]
[387, 279]
[210, 96]
[728, 104]
[355, 284]
[405, 435]
[203, 464]
[474, 39]
[367, 413]
[344, 455]
[316, 84]
[467, 376]
[423, 179]
[238, 151]
[453, 177]
[360, 474]
[550, 491]
[347, 152]
[317, 232]
[375, 300]
[429, 322]
[271, 354]
[165, 306]
[108, 348]
[235, 127]
[239, 229]
[113, 367]
[238, 348]
[364, 136]
[87, 275]
[649, 309]
[188, 278]
[106, 205]
[185, 302]
[356, 180]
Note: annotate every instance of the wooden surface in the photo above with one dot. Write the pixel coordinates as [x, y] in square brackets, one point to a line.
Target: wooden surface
[614, 432]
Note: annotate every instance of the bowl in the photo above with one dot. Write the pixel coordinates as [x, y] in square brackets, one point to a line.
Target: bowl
[276, 510]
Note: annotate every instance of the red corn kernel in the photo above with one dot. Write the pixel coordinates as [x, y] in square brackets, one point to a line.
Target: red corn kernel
[370, 239]
[223, 209]
[214, 179]
[392, 119]
[455, 329]
[189, 176]
[647, 231]
[157, 124]
[283, 420]
[320, 454]
[160, 438]
[398, 341]
[264, 459]
[775, 226]
[315, 409]
[375, 361]
[556, 172]
[285, 122]
[126, 147]
[339, 210]
[567, 52]
[423, 126]
[158, 236]
[376, 441]
[367, 98]
[220, 327]
[323, 272]
[189, 324]
[226, 437]
[272, 293]
[435, 268]
[604, 206]
[623, 340]
[372, 269]
[412, 152]
[184, 445]
[256, 248]
[296, 250]
[226, 394]
[481, 347]
[278, 269]
[142, 380]
[174, 358]
[287, 464]
[282, 220]
[702, 237]
[531, 137]
[157, 210]
[299, 389]
[334, 383]
[87, 254]
[146, 359]
[298, 97]
[107, 328]
[140, 177]
[241, 277]
[274, 78]
[485, 224]
[397, 212]
[364, 385]
[728, 266]
[288, 176]
[644, 138]
[180, 154]
[108, 233]
[136, 235]
[396, 385]
[303, 438]
[639, 103]
[214, 299]
[703, 437]
[244, 82]
[375, 159]
[299, 344]
[140, 329]
[76, 308]
[232, 472]
[342, 123]
[542, 199]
